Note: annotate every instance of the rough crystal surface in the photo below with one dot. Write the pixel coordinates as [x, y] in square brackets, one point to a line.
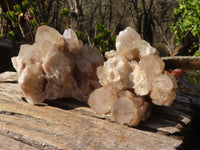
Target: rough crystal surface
[105, 96]
[163, 92]
[141, 85]
[130, 80]
[129, 109]
[152, 65]
[57, 66]
[127, 42]
[130, 45]
[115, 69]
[138, 71]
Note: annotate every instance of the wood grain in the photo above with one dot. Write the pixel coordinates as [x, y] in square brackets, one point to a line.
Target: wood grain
[174, 62]
[68, 124]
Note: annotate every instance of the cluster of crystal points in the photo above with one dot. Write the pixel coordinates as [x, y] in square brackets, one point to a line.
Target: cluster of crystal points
[57, 66]
[125, 85]
[132, 79]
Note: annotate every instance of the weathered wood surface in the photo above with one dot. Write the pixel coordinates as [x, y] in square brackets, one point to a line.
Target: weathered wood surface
[181, 61]
[68, 124]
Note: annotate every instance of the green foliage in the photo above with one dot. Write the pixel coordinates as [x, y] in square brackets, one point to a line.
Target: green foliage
[11, 15]
[187, 17]
[28, 4]
[24, 18]
[103, 40]
[33, 22]
[26, 10]
[65, 12]
[82, 36]
[17, 8]
[11, 34]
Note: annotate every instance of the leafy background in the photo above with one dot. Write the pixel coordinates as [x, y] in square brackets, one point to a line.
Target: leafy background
[164, 24]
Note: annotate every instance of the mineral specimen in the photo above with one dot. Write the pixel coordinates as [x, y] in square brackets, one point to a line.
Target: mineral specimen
[130, 45]
[132, 79]
[130, 109]
[163, 91]
[125, 86]
[57, 66]
[103, 98]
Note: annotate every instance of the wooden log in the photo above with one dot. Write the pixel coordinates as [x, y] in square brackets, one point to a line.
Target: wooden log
[68, 124]
[9, 143]
[173, 62]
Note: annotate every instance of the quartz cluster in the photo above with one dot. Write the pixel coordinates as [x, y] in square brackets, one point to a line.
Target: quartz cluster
[132, 79]
[57, 66]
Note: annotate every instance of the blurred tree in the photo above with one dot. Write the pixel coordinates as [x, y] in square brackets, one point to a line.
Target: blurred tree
[151, 18]
[143, 20]
[162, 12]
[1, 21]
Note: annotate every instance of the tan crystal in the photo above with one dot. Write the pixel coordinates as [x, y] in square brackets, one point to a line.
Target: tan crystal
[57, 66]
[115, 69]
[163, 92]
[161, 98]
[110, 54]
[130, 109]
[141, 84]
[130, 45]
[127, 42]
[152, 65]
[137, 70]
[146, 49]
[165, 83]
[102, 99]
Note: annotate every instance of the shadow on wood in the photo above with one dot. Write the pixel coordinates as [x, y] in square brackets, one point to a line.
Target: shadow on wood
[68, 124]
[8, 49]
